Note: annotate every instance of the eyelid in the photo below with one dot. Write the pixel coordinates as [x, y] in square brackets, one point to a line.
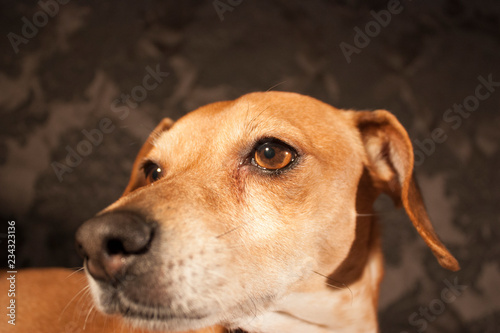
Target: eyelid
[147, 164]
[271, 139]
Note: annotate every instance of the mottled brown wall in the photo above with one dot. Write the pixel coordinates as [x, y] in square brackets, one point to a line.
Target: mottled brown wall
[78, 67]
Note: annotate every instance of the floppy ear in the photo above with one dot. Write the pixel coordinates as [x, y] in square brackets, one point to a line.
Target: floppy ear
[135, 179]
[389, 154]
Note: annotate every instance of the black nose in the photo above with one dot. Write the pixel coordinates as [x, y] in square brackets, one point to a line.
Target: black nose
[109, 243]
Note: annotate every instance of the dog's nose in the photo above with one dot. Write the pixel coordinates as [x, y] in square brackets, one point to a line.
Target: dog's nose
[110, 242]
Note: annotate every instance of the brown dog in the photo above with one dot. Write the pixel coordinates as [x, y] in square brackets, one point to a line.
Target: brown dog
[253, 214]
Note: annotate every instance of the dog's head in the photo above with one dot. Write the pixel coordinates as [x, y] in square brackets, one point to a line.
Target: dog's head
[239, 203]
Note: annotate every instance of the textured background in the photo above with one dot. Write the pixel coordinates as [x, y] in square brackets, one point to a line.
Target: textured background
[67, 76]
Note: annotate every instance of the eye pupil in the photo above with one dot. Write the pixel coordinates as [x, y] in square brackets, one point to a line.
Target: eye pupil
[155, 175]
[269, 153]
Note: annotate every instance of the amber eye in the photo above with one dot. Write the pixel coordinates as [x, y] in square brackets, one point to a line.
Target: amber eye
[273, 156]
[152, 171]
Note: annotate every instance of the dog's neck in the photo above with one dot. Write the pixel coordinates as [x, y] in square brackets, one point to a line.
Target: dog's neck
[329, 307]
[344, 301]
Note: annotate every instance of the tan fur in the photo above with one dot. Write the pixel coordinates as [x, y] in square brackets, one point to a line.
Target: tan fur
[296, 252]
[57, 300]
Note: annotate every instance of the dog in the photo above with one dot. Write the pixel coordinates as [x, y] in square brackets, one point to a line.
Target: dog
[253, 214]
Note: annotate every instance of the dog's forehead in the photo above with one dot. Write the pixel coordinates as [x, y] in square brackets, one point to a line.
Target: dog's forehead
[287, 116]
[297, 110]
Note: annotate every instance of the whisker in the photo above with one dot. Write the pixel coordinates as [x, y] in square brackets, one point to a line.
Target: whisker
[334, 286]
[328, 278]
[231, 230]
[375, 213]
[75, 272]
[80, 293]
[277, 84]
[250, 125]
[255, 310]
[87, 318]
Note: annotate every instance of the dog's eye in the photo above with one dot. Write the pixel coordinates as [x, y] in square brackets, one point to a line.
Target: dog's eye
[273, 156]
[152, 171]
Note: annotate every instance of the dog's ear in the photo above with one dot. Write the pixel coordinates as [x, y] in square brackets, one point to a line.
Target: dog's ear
[136, 180]
[389, 155]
